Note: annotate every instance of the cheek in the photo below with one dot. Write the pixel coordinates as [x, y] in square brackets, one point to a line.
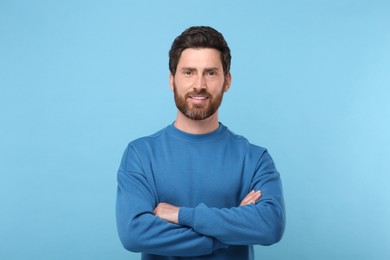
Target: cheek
[183, 86]
[216, 88]
[178, 90]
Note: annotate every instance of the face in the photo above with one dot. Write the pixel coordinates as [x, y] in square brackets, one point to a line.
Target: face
[199, 83]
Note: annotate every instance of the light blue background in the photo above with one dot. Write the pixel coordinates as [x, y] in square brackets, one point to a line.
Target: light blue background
[80, 79]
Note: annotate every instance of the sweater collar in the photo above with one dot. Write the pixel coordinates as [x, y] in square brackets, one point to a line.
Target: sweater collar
[212, 136]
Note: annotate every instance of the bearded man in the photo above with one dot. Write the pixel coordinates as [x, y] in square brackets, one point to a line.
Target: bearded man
[196, 190]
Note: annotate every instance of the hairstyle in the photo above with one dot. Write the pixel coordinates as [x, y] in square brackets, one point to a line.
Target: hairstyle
[199, 37]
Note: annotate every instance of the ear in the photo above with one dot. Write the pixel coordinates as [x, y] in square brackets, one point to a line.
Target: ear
[228, 81]
[171, 79]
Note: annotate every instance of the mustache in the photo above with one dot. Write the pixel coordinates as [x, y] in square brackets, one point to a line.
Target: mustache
[201, 92]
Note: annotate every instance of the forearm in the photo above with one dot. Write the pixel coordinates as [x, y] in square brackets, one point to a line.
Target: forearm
[149, 234]
[140, 231]
[170, 212]
[252, 224]
[248, 224]
[261, 223]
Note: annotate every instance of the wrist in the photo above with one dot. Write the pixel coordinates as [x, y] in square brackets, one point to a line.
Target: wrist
[186, 216]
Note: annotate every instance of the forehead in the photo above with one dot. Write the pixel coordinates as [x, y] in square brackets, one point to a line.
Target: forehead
[200, 57]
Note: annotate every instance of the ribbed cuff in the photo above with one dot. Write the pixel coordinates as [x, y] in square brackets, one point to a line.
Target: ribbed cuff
[186, 217]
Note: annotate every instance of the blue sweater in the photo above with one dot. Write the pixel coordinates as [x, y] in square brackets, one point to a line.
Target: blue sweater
[207, 176]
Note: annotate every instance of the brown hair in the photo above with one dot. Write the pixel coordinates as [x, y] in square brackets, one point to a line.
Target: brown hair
[199, 37]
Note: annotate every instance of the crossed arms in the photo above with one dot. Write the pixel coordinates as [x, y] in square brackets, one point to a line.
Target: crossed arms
[170, 212]
[148, 226]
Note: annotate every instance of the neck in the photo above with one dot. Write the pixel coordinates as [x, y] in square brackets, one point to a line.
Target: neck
[190, 126]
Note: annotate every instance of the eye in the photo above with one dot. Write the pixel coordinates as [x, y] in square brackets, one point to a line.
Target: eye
[187, 72]
[211, 73]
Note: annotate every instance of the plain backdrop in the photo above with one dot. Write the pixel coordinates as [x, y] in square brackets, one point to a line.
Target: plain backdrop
[80, 79]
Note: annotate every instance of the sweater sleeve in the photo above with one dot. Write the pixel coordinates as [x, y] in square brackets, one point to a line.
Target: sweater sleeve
[261, 223]
[139, 230]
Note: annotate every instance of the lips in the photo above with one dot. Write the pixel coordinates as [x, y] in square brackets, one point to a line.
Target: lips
[198, 97]
[198, 100]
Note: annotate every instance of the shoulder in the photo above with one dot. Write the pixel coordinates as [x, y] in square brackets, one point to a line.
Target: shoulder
[245, 143]
[137, 149]
[256, 155]
[148, 140]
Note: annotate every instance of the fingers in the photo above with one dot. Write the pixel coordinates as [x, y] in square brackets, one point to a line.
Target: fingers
[252, 197]
[161, 209]
[167, 212]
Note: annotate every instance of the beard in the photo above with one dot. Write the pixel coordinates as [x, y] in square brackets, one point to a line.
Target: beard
[197, 111]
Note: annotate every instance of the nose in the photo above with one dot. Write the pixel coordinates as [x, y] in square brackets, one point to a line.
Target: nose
[200, 82]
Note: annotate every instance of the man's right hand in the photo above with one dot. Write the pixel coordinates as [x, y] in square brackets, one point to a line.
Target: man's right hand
[252, 197]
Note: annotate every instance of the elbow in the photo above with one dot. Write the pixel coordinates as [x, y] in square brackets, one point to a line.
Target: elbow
[131, 237]
[273, 230]
[130, 243]
[276, 231]
[130, 246]
[273, 235]
[137, 233]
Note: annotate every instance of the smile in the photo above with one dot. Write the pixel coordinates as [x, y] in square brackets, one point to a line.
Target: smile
[198, 99]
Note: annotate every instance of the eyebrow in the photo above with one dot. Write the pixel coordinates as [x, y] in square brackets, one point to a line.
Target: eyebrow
[187, 68]
[206, 69]
[212, 68]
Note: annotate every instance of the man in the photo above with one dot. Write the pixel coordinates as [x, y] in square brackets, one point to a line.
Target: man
[195, 190]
